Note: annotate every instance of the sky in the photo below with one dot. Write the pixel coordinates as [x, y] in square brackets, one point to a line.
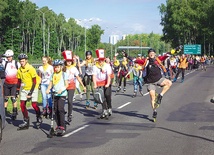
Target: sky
[115, 17]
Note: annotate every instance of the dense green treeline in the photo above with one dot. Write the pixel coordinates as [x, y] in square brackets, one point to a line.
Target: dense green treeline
[188, 22]
[39, 31]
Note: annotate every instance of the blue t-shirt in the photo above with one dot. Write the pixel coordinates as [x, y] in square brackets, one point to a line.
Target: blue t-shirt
[60, 84]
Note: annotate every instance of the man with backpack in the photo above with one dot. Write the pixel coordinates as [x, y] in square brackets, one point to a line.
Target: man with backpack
[10, 84]
[154, 68]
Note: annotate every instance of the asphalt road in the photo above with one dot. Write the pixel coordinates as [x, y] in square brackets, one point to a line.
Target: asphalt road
[185, 125]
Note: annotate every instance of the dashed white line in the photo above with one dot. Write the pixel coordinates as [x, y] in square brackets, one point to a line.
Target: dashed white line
[85, 126]
[124, 105]
[75, 131]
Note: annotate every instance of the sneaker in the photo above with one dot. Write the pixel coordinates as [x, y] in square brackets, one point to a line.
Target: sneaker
[57, 127]
[81, 96]
[134, 95]
[109, 111]
[154, 114]
[38, 121]
[118, 89]
[124, 89]
[61, 130]
[141, 93]
[95, 105]
[69, 118]
[14, 114]
[104, 115]
[87, 106]
[44, 112]
[50, 112]
[212, 100]
[174, 80]
[159, 98]
[182, 80]
[25, 124]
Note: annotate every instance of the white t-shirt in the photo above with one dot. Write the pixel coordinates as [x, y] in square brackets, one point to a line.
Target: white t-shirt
[72, 74]
[101, 74]
[46, 74]
[173, 62]
[11, 71]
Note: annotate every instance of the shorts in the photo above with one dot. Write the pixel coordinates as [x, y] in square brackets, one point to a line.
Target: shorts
[9, 89]
[23, 95]
[152, 86]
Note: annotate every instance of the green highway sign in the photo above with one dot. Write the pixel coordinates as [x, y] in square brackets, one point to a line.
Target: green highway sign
[192, 49]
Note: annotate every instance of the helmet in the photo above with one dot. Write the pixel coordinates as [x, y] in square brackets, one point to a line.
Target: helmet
[9, 53]
[151, 50]
[88, 53]
[57, 62]
[22, 56]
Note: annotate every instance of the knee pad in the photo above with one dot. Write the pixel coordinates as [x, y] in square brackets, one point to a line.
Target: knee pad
[13, 99]
[6, 99]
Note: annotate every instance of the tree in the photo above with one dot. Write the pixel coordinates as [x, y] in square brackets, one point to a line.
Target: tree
[94, 36]
[188, 22]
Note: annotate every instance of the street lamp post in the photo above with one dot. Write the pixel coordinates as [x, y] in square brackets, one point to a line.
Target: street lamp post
[141, 45]
[85, 29]
[12, 36]
[85, 39]
[85, 33]
[43, 32]
[128, 44]
[43, 29]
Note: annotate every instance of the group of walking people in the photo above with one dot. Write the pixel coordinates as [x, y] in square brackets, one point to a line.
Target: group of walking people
[59, 79]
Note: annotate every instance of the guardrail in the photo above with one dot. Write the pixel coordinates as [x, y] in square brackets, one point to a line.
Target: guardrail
[36, 65]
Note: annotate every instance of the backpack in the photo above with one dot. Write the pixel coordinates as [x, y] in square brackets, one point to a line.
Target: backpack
[99, 95]
[159, 64]
[2, 71]
[16, 64]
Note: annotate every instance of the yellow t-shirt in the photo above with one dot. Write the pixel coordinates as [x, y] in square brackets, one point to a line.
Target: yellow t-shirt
[116, 63]
[26, 75]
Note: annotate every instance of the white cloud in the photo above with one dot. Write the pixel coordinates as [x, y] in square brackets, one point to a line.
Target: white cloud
[138, 28]
[89, 22]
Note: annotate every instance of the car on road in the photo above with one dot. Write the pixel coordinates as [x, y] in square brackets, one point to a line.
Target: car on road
[2, 111]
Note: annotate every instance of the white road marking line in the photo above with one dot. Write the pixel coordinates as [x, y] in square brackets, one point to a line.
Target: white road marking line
[187, 73]
[146, 94]
[124, 105]
[85, 126]
[75, 131]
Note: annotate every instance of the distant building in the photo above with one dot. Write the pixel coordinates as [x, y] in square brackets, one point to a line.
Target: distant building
[124, 36]
[113, 39]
